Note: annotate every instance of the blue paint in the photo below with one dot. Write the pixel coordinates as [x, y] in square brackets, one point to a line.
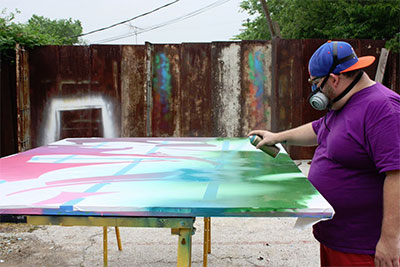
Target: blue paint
[128, 168]
[194, 175]
[95, 188]
[35, 158]
[69, 204]
[256, 73]
[212, 188]
[65, 159]
[100, 145]
[259, 72]
[164, 81]
[136, 162]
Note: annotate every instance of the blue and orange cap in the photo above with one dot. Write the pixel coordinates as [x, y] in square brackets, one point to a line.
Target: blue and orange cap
[323, 61]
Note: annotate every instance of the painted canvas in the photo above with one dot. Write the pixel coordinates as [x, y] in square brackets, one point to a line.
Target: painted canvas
[185, 177]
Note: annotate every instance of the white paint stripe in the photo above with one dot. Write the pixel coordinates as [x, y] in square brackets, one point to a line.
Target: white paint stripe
[50, 132]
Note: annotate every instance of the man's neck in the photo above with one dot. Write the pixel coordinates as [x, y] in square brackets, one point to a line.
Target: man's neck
[363, 83]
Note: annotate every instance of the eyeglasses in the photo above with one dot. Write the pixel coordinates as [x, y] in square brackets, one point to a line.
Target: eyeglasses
[314, 82]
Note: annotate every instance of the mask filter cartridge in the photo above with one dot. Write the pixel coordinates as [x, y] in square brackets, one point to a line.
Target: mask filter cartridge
[319, 101]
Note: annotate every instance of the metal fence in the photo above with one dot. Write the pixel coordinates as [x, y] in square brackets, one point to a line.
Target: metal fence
[189, 89]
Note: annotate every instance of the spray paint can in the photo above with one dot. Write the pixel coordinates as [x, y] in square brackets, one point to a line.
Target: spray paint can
[270, 150]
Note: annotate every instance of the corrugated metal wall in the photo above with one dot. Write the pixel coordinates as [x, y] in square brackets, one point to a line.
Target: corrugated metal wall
[205, 89]
[8, 108]
[189, 89]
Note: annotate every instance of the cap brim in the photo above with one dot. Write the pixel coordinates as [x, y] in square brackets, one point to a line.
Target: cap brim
[362, 62]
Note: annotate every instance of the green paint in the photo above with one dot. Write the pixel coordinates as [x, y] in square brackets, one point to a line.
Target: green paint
[201, 177]
[251, 66]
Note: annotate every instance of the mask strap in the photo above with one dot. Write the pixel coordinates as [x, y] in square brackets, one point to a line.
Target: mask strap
[353, 83]
[337, 61]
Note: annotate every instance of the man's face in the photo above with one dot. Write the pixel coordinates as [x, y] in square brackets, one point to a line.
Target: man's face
[326, 89]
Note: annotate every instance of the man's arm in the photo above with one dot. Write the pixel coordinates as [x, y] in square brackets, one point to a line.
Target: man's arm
[301, 136]
[388, 248]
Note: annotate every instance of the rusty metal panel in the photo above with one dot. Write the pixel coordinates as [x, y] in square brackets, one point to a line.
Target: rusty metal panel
[59, 76]
[373, 48]
[256, 83]
[105, 86]
[285, 89]
[292, 89]
[196, 90]
[8, 108]
[81, 122]
[23, 100]
[368, 48]
[73, 78]
[43, 64]
[284, 86]
[133, 97]
[226, 88]
[72, 69]
[165, 115]
[307, 114]
[392, 73]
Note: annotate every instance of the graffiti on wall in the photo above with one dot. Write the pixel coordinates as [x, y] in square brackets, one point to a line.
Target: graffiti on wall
[256, 87]
[162, 90]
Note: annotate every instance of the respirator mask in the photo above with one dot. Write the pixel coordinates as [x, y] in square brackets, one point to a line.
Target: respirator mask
[320, 101]
[317, 99]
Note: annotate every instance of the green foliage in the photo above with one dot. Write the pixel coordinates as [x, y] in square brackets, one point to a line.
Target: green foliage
[37, 31]
[340, 19]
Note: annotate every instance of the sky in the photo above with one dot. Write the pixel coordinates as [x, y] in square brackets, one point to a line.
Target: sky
[187, 20]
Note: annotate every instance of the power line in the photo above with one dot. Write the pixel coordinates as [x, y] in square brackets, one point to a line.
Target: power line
[189, 15]
[125, 21]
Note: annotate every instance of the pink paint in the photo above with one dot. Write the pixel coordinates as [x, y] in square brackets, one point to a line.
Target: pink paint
[16, 164]
[99, 180]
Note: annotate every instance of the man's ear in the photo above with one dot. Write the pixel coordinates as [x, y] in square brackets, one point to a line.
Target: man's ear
[334, 80]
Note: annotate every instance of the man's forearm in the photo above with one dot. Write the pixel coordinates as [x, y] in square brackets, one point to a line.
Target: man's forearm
[388, 248]
[391, 206]
[303, 135]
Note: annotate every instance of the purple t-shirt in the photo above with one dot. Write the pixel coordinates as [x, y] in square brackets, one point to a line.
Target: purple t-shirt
[349, 165]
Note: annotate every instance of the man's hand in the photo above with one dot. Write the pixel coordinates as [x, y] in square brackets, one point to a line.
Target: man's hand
[387, 253]
[268, 138]
[300, 136]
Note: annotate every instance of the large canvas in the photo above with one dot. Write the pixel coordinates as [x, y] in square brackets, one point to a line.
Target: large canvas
[184, 177]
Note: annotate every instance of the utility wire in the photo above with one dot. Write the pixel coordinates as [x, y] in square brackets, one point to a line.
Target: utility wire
[189, 15]
[125, 21]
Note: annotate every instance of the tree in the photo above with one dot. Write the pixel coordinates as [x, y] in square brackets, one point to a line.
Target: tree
[340, 19]
[37, 31]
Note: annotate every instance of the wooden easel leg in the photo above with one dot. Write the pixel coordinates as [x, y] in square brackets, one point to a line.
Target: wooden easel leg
[118, 238]
[207, 240]
[209, 235]
[105, 260]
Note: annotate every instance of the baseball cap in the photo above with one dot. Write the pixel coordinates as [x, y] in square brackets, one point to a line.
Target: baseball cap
[323, 61]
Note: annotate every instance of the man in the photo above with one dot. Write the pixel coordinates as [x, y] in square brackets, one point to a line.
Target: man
[357, 161]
